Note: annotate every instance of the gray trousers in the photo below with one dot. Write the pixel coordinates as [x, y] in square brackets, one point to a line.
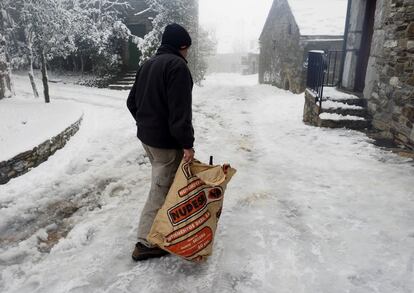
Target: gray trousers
[164, 164]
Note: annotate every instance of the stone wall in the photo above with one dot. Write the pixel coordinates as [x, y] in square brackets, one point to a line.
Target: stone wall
[250, 64]
[283, 51]
[23, 162]
[390, 78]
[311, 110]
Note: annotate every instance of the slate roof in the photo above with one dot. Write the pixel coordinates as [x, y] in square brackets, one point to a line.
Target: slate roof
[317, 17]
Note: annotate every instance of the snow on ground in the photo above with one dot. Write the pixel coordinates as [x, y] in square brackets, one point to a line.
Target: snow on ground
[310, 209]
[26, 122]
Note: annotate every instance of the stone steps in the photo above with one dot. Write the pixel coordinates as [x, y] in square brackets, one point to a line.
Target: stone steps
[351, 101]
[120, 87]
[125, 82]
[129, 78]
[344, 111]
[346, 123]
[339, 110]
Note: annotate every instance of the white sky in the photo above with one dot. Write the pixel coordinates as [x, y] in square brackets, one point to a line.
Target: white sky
[237, 23]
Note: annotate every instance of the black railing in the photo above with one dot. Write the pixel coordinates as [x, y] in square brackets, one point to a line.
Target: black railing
[323, 70]
[316, 74]
[333, 59]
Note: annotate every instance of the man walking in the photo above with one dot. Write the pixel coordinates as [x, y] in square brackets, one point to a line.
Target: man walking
[160, 102]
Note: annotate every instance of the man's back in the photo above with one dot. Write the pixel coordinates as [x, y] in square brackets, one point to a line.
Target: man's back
[160, 101]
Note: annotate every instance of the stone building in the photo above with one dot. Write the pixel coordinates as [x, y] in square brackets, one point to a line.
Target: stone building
[379, 64]
[292, 28]
[250, 63]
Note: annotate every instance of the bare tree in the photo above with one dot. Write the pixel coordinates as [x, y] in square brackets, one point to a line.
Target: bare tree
[27, 26]
[5, 91]
[48, 23]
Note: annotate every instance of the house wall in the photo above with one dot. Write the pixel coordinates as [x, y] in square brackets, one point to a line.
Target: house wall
[281, 55]
[283, 51]
[390, 76]
[250, 64]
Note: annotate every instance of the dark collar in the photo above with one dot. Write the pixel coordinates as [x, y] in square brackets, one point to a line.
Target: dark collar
[167, 49]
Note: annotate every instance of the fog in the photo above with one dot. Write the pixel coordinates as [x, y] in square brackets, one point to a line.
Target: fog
[237, 23]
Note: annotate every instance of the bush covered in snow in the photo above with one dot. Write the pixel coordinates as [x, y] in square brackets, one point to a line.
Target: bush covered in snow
[98, 33]
[185, 13]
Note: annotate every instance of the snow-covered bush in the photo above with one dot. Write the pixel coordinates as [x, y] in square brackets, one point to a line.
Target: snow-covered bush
[98, 33]
[183, 12]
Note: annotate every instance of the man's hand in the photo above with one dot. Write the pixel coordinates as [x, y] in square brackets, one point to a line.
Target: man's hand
[188, 155]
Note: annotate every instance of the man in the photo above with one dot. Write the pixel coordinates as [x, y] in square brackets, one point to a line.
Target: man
[160, 101]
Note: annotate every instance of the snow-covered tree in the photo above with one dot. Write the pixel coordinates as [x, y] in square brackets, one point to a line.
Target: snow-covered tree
[96, 30]
[48, 33]
[27, 27]
[5, 90]
[6, 27]
[183, 12]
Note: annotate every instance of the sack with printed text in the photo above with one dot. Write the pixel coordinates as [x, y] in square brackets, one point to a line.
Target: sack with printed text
[186, 223]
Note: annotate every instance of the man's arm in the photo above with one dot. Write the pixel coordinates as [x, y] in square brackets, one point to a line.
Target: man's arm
[179, 88]
[131, 102]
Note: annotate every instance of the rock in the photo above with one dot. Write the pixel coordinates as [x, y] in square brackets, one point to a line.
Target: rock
[391, 44]
[394, 81]
[408, 112]
[410, 31]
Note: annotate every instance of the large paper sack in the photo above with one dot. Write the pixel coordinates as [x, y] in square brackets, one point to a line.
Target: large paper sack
[187, 222]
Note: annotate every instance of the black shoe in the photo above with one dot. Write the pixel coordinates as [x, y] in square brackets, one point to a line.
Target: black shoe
[141, 252]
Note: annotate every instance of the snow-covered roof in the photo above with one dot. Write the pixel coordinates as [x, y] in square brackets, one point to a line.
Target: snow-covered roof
[319, 17]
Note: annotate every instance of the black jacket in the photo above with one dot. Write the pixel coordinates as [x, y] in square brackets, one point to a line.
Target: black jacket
[160, 101]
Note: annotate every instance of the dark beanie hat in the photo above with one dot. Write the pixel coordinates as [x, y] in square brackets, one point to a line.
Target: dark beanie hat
[176, 36]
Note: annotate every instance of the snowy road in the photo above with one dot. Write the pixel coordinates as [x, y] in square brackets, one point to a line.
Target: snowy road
[310, 210]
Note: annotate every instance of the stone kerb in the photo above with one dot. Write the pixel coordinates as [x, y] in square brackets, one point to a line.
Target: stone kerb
[23, 162]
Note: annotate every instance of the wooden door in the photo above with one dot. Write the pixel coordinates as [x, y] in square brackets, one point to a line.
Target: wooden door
[365, 50]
